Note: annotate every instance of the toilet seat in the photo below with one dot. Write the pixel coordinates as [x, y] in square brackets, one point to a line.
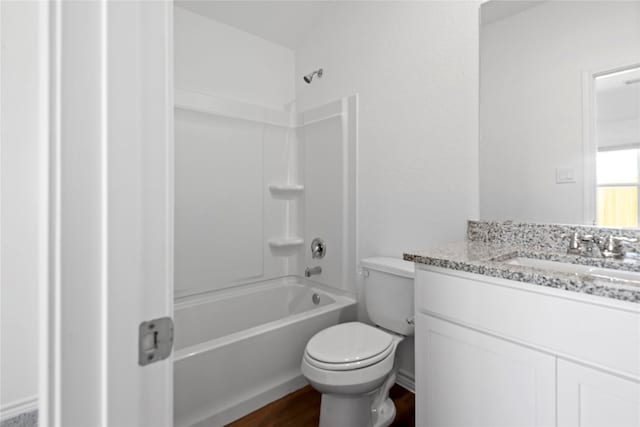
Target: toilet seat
[348, 346]
[350, 381]
[350, 365]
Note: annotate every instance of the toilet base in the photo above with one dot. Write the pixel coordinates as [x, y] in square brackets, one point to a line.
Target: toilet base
[383, 409]
[345, 410]
[373, 409]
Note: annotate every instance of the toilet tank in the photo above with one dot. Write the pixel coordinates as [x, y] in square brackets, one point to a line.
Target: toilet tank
[388, 293]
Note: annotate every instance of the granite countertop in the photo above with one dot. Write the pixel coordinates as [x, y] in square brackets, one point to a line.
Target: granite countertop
[486, 258]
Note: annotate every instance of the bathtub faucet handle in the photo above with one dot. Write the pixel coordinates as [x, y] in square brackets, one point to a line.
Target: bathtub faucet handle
[318, 248]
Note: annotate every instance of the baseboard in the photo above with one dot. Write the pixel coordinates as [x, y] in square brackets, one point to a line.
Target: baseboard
[18, 407]
[406, 380]
[252, 403]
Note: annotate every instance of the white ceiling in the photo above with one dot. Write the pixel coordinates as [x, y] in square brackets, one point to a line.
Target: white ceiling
[495, 10]
[282, 22]
[287, 22]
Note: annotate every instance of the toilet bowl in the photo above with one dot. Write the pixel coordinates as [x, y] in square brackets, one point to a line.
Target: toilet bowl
[349, 364]
[352, 364]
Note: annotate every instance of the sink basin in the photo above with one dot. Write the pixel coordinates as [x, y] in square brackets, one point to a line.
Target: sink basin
[560, 267]
[609, 274]
[619, 275]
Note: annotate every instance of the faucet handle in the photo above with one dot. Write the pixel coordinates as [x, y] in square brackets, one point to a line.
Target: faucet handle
[621, 239]
[612, 241]
[609, 243]
[574, 243]
[318, 248]
[613, 245]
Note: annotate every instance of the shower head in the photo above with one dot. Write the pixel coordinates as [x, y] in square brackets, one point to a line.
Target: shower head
[310, 76]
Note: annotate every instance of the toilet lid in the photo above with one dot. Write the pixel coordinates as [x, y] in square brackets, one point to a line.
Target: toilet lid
[347, 343]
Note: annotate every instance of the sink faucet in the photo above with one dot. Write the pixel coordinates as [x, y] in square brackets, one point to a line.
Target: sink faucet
[574, 245]
[308, 272]
[594, 247]
[613, 246]
[584, 245]
[589, 245]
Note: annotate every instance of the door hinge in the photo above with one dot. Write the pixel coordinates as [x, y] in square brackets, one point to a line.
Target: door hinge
[155, 340]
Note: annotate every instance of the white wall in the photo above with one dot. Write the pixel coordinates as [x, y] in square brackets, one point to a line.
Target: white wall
[21, 178]
[415, 68]
[225, 213]
[220, 60]
[531, 96]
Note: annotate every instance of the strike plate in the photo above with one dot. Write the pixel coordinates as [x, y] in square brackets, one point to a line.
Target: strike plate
[156, 340]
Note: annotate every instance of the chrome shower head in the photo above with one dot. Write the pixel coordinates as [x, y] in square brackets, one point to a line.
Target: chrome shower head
[310, 76]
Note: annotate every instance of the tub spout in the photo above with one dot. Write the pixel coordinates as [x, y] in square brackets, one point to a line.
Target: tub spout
[308, 272]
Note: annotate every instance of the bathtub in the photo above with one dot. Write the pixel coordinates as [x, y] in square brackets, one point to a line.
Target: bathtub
[240, 349]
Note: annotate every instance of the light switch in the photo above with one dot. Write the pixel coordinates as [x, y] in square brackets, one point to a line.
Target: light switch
[565, 176]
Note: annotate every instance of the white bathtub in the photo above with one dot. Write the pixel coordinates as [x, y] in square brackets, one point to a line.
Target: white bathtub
[240, 349]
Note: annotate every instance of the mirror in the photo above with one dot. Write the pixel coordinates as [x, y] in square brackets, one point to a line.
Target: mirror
[560, 112]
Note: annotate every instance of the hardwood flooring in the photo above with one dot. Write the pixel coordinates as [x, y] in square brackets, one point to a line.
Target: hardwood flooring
[302, 409]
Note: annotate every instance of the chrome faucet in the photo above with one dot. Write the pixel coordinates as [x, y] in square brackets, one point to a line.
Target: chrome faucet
[589, 246]
[594, 247]
[613, 246]
[574, 245]
[308, 272]
[318, 248]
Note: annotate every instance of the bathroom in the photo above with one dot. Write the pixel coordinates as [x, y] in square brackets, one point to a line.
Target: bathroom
[331, 133]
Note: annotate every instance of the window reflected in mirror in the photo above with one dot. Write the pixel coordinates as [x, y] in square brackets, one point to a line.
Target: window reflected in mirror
[617, 98]
[617, 192]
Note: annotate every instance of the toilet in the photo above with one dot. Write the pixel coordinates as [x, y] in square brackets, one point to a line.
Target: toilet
[352, 364]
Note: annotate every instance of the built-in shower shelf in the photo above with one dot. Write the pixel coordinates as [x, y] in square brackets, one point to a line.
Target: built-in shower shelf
[285, 242]
[286, 190]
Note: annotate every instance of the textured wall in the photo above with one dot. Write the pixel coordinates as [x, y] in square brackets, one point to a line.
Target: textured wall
[415, 67]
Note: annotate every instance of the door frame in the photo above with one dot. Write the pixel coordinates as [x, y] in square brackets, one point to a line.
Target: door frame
[109, 243]
[589, 143]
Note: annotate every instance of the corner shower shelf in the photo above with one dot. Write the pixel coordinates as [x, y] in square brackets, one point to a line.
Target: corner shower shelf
[285, 242]
[286, 190]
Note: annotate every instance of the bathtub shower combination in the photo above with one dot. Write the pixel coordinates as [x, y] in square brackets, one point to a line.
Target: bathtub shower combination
[240, 349]
[243, 311]
[255, 183]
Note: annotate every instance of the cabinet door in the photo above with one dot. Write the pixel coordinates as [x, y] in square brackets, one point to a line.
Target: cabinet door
[588, 397]
[467, 378]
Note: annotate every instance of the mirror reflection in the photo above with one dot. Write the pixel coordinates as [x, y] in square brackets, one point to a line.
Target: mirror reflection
[617, 137]
[560, 111]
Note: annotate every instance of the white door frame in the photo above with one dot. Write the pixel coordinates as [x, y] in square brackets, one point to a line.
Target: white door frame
[110, 249]
[589, 143]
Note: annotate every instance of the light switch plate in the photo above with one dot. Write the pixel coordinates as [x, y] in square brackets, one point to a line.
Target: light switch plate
[565, 176]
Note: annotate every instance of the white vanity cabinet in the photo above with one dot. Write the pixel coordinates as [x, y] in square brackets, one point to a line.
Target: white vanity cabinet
[590, 397]
[467, 378]
[493, 352]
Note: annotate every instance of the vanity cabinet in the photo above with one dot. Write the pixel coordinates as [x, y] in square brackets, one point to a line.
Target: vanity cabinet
[492, 352]
[590, 397]
[467, 378]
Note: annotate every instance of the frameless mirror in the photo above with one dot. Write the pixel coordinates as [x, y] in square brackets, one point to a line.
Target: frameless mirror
[560, 111]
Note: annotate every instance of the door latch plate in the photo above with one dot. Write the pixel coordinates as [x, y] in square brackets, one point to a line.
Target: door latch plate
[155, 340]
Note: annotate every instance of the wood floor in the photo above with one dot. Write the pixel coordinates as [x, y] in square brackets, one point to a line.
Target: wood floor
[302, 409]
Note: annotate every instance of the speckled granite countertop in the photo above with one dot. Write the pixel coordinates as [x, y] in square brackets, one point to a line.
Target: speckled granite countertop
[487, 256]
